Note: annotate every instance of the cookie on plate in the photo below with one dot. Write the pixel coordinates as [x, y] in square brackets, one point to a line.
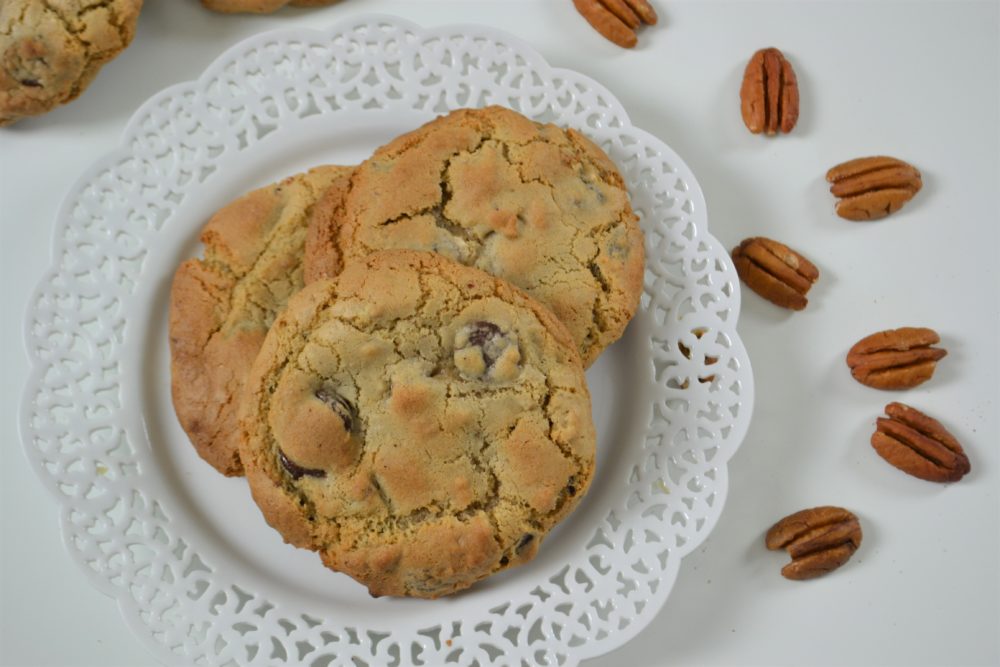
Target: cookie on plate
[259, 6]
[534, 204]
[51, 51]
[222, 306]
[419, 423]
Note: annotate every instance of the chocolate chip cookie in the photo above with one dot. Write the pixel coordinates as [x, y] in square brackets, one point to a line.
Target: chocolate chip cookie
[534, 204]
[259, 6]
[51, 51]
[222, 306]
[419, 423]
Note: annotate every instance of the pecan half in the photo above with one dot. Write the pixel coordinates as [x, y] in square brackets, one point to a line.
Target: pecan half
[769, 96]
[819, 540]
[775, 271]
[919, 445]
[617, 20]
[873, 187]
[895, 359]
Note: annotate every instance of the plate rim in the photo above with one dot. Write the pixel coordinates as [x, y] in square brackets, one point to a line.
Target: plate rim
[127, 604]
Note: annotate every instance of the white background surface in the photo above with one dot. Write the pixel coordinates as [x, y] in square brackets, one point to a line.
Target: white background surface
[918, 80]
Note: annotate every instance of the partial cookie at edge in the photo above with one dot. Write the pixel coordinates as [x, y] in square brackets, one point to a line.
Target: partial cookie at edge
[50, 52]
[221, 306]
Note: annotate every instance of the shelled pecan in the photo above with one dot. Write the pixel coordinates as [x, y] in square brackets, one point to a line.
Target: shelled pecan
[769, 95]
[775, 271]
[919, 445]
[873, 187]
[819, 540]
[895, 359]
[617, 20]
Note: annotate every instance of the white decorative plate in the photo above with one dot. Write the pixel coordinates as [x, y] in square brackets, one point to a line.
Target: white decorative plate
[195, 570]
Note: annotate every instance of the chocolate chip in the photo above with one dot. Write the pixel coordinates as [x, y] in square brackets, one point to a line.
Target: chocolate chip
[31, 83]
[489, 338]
[482, 332]
[525, 540]
[571, 487]
[338, 404]
[296, 471]
[484, 350]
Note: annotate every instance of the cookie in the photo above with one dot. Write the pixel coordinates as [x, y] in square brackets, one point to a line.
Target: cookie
[534, 204]
[259, 6]
[222, 306]
[51, 51]
[419, 423]
[322, 246]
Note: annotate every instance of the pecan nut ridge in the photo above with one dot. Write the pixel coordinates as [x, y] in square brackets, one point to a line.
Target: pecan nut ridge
[919, 445]
[819, 540]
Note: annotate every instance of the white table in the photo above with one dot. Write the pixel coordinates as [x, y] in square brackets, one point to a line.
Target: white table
[916, 80]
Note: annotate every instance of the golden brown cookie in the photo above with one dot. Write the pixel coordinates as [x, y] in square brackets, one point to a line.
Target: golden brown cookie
[222, 306]
[259, 6]
[322, 249]
[419, 423]
[51, 51]
[534, 204]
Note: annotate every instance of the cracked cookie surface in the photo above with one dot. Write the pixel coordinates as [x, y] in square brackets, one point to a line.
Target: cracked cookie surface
[222, 306]
[259, 6]
[50, 50]
[534, 204]
[419, 423]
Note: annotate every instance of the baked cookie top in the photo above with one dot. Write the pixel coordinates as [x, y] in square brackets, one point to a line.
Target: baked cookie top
[222, 306]
[419, 423]
[534, 204]
[50, 51]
